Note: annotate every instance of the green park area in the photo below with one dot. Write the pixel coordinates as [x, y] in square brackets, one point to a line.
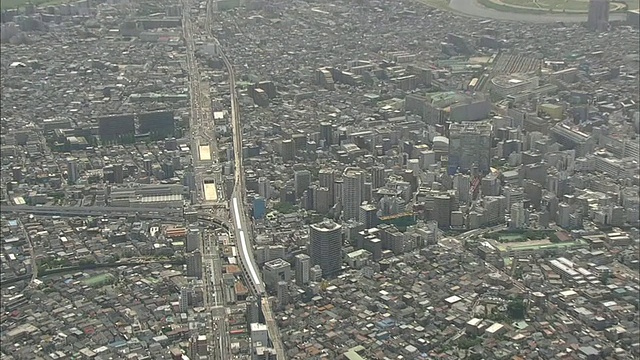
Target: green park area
[554, 6]
[99, 280]
[513, 236]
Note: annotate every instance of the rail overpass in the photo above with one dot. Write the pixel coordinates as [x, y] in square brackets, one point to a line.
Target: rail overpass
[149, 213]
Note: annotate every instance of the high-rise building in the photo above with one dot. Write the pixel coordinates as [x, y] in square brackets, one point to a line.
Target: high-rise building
[327, 178]
[118, 173]
[462, 185]
[326, 133]
[259, 207]
[259, 334]
[518, 220]
[72, 171]
[16, 171]
[325, 247]
[368, 215]
[193, 240]
[598, 19]
[302, 265]
[302, 180]
[159, 123]
[288, 150]
[469, 145]
[378, 176]
[275, 271]
[116, 126]
[194, 264]
[282, 291]
[264, 187]
[185, 294]
[352, 193]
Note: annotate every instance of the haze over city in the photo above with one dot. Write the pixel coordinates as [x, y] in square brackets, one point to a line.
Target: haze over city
[349, 180]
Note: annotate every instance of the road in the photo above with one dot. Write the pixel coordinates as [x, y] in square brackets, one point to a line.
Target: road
[32, 254]
[202, 132]
[474, 9]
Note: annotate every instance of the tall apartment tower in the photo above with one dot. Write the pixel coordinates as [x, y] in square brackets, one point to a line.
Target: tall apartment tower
[303, 265]
[326, 133]
[598, 19]
[327, 179]
[72, 171]
[469, 145]
[378, 176]
[302, 180]
[185, 294]
[352, 193]
[325, 247]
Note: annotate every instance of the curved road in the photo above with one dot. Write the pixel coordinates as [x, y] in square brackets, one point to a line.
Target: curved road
[473, 8]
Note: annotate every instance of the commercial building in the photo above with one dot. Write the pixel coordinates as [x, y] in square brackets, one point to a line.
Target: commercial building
[325, 247]
[275, 271]
[469, 146]
[116, 126]
[159, 123]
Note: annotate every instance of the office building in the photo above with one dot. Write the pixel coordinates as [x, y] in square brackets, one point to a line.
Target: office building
[326, 133]
[259, 208]
[259, 335]
[469, 146]
[193, 240]
[287, 150]
[111, 128]
[275, 271]
[598, 18]
[302, 179]
[352, 193]
[157, 123]
[302, 266]
[325, 247]
[194, 264]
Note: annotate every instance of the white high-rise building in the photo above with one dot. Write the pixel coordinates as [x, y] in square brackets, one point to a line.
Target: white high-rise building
[184, 299]
[352, 193]
[302, 265]
[264, 187]
[325, 247]
[518, 218]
